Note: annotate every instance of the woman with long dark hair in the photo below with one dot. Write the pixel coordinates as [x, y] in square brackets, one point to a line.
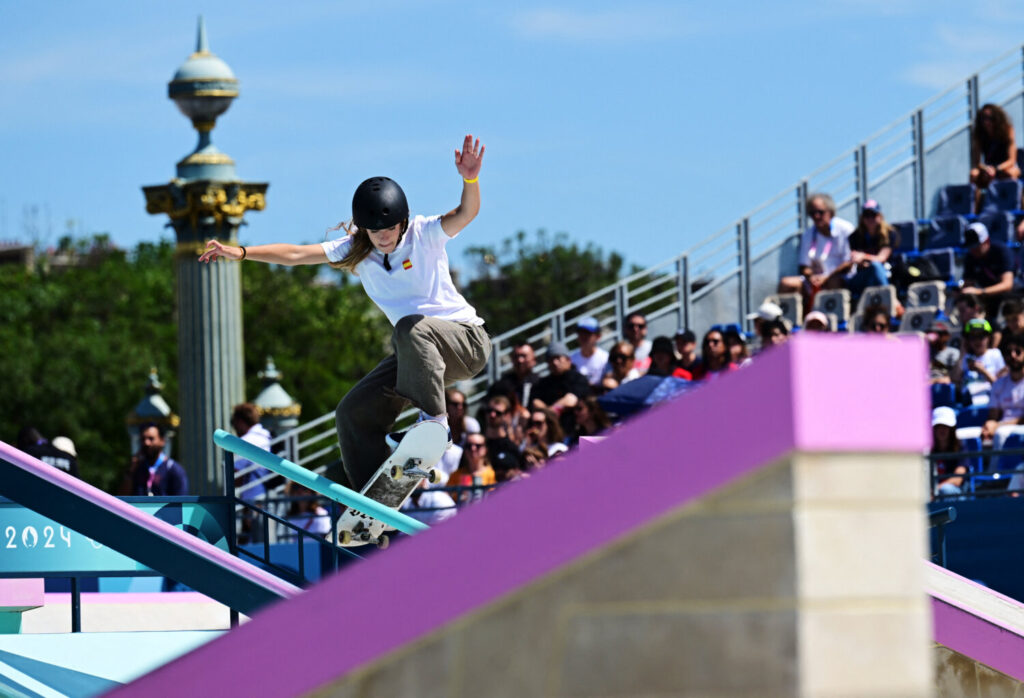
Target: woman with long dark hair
[993, 147]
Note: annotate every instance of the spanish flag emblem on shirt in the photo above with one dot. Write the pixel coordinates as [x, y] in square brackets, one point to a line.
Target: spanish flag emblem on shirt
[407, 264]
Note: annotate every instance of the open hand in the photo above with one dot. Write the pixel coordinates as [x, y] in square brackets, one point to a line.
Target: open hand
[215, 249]
[467, 161]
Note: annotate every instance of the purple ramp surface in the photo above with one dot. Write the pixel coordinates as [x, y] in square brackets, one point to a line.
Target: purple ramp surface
[826, 394]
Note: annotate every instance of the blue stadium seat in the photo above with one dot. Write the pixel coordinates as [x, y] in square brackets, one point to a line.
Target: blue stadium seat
[945, 231]
[973, 416]
[1011, 462]
[1000, 226]
[956, 200]
[944, 260]
[1003, 195]
[905, 233]
[943, 395]
[973, 445]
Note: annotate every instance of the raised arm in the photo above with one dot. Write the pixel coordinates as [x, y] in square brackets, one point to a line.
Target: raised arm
[276, 253]
[467, 162]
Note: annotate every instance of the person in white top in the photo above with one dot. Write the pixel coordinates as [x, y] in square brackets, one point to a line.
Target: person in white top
[438, 338]
[590, 359]
[824, 251]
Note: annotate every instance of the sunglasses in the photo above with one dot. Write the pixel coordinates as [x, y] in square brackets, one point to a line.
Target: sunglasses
[714, 341]
[638, 325]
[879, 326]
[538, 423]
[492, 410]
[474, 446]
[620, 357]
[815, 212]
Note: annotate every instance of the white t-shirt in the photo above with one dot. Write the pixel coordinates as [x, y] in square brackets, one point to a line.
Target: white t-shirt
[592, 368]
[822, 253]
[1008, 396]
[977, 385]
[259, 437]
[420, 281]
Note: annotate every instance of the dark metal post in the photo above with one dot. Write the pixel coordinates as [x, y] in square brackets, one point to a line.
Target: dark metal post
[76, 606]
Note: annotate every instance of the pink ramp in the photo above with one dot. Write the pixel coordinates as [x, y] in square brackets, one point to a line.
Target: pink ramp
[799, 390]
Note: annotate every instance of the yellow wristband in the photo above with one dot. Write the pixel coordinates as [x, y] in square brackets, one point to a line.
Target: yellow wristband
[471, 181]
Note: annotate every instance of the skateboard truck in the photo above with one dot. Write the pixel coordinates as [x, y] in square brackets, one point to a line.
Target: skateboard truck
[412, 469]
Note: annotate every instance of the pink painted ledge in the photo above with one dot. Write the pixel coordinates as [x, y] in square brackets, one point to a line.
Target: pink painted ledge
[21, 593]
[825, 394]
[132, 597]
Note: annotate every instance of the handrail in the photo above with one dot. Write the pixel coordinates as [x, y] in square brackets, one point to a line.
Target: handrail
[318, 483]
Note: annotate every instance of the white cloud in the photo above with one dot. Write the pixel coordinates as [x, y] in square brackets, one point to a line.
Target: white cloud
[635, 23]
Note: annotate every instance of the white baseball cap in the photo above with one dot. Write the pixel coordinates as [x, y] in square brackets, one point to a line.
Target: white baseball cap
[945, 416]
[767, 311]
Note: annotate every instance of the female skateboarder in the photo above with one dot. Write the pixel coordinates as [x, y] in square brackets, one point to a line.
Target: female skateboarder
[438, 337]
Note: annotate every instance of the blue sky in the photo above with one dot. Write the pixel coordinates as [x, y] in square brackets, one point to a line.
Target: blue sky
[642, 127]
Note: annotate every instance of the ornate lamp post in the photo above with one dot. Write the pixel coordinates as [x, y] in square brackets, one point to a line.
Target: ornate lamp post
[206, 200]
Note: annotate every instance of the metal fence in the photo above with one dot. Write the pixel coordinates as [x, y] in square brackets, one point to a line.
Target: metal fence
[720, 279]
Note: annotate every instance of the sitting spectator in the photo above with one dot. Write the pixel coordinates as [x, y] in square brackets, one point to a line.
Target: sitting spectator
[429, 505]
[988, 268]
[993, 149]
[663, 360]
[816, 321]
[824, 251]
[686, 348]
[715, 356]
[870, 247]
[544, 431]
[459, 422]
[591, 420]
[502, 445]
[517, 412]
[1006, 401]
[474, 471]
[635, 332]
[534, 458]
[564, 385]
[967, 308]
[589, 359]
[736, 341]
[621, 363]
[773, 332]
[1013, 322]
[607, 384]
[942, 357]
[980, 365]
[522, 377]
[306, 512]
[32, 442]
[876, 320]
[948, 472]
[767, 312]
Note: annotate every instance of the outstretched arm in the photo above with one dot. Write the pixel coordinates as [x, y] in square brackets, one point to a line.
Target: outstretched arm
[276, 253]
[467, 162]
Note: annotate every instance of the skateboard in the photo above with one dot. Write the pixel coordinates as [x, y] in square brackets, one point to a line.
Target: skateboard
[394, 482]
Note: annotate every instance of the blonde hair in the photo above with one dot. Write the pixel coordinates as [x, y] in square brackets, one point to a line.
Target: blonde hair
[361, 245]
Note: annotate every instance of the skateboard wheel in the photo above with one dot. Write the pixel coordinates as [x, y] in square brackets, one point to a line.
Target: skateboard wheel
[383, 542]
[345, 537]
[396, 472]
[434, 476]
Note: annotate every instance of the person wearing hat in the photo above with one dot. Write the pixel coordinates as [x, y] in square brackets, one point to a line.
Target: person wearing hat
[824, 250]
[590, 359]
[942, 357]
[870, 248]
[564, 385]
[32, 442]
[948, 472]
[402, 262]
[980, 365]
[816, 321]
[988, 268]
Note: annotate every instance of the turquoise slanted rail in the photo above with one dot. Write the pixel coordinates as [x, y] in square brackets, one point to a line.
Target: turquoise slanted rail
[318, 483]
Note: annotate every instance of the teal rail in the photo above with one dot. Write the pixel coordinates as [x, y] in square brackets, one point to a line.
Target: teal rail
[318, 483]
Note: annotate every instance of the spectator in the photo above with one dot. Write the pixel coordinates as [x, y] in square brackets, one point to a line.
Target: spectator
[245, 420]
[816, 321]
[474, 471]
[968, 307]
[517, 413]
[715, 355]
[607, 384]
[767, 312]
[993, 149]
[686, 347]
[459, 422]
[948, 472]
[534, 458]
[590, 359]
[502, 446]
[306, 512]
[621, 362]
[564, 385]
[153, 472]
[988, 268]
[942, 357]
[876, 320]
[663, 360]
[1006, 401]
[635, 332]
[32, 442]
[824, 251]
[543, 431]
[773, 332]
[870, 247]
[522, 377]
[1013, 321]
[736, 341]
[980, 365]
[591, 420]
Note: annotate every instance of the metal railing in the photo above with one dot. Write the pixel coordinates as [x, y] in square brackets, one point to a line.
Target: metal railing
[720, 279]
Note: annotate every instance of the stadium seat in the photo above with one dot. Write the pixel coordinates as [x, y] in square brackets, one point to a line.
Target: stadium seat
[855, 323]
[1010, 462]
[943, 395]
[1002, 195]
[972, 416]
[792, 305]
[956, 200]
[873, 296]
[973, 445]
[904, 236]
[918, 319]
[1000, 226]
[944, 260]
[835, 303]
[945, 231]
[925, 293]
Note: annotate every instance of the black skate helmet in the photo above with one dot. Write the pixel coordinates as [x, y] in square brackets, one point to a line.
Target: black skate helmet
[379, 203]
